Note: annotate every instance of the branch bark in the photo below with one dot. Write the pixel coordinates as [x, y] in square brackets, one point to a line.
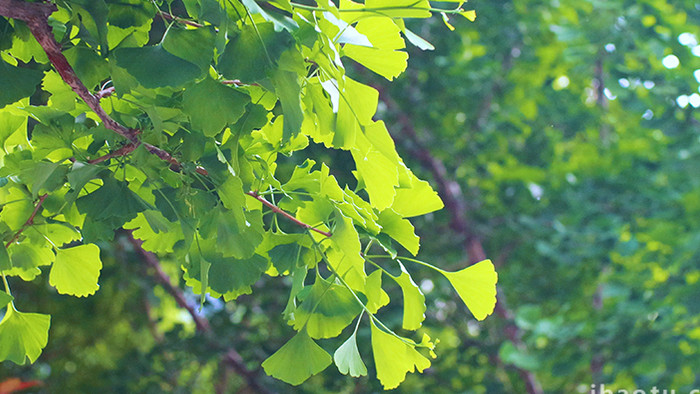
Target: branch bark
[231, 357]
[29, 221]
[296, 221]
[36, 15]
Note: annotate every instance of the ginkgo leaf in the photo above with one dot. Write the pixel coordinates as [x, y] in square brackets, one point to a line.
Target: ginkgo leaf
[399, 229]
[23, 336]
[387, 63]
[347, 358]
[476, 286]
[76, 270]
[394, 358]
[17, 82]
[416, 198]
[211, 106]
[170, 70]
[297, 360]
[413, 300]
[327, 310]
[376, 296]
[5, 263]
[471, 15]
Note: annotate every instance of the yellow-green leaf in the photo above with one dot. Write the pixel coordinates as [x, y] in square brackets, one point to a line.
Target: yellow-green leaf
[327, 310]
[413, 300]
[376, 296]
[393, 358]
[23, 336]
[471, 15]
[297, 360]
[476, 285]
[399, 229]
[76, 270]
[347, 358]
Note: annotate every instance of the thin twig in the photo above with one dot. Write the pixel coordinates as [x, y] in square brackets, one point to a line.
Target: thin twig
[29, 221]
[123, 151]
[237, 82]
[276, 209]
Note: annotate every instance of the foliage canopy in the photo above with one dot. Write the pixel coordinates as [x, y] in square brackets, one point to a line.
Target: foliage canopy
[169, 122]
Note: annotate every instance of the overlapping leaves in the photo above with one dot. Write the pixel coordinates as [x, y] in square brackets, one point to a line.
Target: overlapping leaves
[217, 101]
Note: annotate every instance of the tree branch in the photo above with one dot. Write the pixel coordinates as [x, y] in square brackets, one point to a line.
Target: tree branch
[231, 357]
[36, 15]
[276, 209]
[29, 221]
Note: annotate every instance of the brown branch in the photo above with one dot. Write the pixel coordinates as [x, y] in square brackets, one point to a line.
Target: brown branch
[231, 357]
[29, 221]
[36, 15]
[105, 93]
[123, 151]
[276, 209]
[152, 261]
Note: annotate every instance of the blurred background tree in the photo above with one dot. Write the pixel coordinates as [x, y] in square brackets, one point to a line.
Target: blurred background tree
[562, 136]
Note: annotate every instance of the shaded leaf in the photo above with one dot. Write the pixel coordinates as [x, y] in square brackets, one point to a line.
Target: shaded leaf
[154, 67]
[211, 106]
[17, 83]
[327, 310]
[347, 358]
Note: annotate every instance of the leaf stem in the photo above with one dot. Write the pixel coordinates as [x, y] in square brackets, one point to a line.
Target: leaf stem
[276, 209]
[29, 221]
[362, 304]
[423, 263]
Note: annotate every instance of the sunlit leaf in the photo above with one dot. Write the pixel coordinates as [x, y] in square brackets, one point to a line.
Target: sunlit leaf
[394, 358]
[476, 285]
[23, 336]
[76, 270]
[297, 360]
[413, 300]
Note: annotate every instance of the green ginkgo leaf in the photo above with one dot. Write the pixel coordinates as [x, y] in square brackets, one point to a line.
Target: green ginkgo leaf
[399, 229]
[76, 270]
[347, 358]
[413, 300]
[327, 310]
[394, 358]
[376, 296]
[476, 286]
[155, 67]
[23, 336]
[297, 360]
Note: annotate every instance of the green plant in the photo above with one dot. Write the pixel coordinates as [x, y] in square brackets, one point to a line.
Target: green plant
[170, 119]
